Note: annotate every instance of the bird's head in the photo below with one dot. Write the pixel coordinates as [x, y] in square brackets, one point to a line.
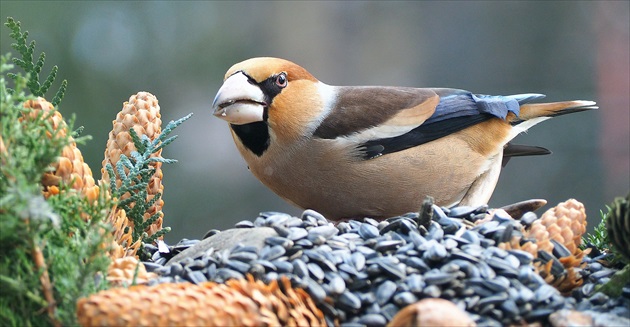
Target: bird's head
[270, 93]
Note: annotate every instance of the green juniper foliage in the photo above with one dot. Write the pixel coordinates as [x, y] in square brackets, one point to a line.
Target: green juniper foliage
[29, 224]
[33, 69]
[600, 240]
[52, 251]
[136, 180]
[610, 237]
[599, 237]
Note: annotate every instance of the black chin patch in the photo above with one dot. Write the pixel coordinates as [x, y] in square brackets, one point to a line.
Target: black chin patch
[255, 136]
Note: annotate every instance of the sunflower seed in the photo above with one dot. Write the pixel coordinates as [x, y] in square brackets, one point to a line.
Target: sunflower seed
[337, 285]
[602, 274]
[243, 256]
[435, 251]
[315, 271]
[434, 232]
[559, 250]
[225, 274]
[437, 277]
[372, 319]
[283, 266]
[405, 298]
[304, 243]
[385, 291]
[243, 224]
[386, 246]
[296, 233]
[525, 258]
[350, 301]
[544, 293]
[325, 231]
[272, 253]
[316, 291]
[363, 272]
[462, 211]
[368, 231]
[196, 277]
[280, 241]
[238, 266]
[528, 218]
[415, 283]
[417, 263]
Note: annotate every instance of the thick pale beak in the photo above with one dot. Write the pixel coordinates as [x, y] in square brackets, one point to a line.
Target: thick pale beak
[239, 101]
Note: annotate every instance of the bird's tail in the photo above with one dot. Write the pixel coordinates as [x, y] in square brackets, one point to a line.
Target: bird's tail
[546, 110]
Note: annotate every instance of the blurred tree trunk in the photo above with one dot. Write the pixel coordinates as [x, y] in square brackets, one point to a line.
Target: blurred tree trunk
[613, 66]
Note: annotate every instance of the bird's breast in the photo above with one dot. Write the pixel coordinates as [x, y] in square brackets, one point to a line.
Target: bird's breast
[330, 178]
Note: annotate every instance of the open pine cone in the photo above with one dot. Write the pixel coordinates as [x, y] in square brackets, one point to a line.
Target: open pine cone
[126, 271]
[554, 241]
[235, 303]
[69, 167]
[566, 223]
[122, 245]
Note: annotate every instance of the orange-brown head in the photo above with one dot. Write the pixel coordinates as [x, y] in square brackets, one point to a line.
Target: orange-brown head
[263, 95]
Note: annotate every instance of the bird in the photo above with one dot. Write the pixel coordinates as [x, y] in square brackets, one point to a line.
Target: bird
[373, 151]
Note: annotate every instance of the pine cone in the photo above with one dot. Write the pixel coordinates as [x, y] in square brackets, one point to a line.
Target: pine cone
[618, 226]
[70, 167]
[564, 224]
[235, 303]
[554, 241]
[127, 270]
[122, 245]
[142, 113]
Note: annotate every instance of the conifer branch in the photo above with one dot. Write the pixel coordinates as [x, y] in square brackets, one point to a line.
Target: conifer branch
[31, 69]
[135, 173]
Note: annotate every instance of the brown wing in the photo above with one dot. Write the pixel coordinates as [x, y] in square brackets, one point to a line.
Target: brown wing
[395, 110]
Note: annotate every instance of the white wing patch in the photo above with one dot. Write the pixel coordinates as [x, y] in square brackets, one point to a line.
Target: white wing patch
[329, 99]
[379, 132]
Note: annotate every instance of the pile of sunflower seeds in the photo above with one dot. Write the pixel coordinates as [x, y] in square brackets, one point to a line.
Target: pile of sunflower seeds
[364, 272]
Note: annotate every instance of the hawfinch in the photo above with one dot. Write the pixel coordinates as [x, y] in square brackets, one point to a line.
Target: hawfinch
[373, 151]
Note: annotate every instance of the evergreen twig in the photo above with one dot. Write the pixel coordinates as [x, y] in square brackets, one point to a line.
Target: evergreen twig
[135, 173]
[51, 250]
[31, 69]
[600, 240]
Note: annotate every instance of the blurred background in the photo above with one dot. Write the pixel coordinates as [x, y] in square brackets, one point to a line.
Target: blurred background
[180, 50]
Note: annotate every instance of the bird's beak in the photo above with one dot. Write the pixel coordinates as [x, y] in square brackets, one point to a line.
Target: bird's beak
[239, 101]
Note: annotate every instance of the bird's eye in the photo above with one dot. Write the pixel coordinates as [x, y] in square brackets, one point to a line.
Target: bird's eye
[281, 80]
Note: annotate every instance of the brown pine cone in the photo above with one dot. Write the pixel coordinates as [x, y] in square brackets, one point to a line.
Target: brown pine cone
[122, 245]
[69, 167]
[563, 225]
[142, 113]
[566, 223]
[235, 303]
[126, 271]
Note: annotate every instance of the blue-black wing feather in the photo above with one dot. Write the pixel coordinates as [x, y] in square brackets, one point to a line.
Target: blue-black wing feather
[457, 110]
